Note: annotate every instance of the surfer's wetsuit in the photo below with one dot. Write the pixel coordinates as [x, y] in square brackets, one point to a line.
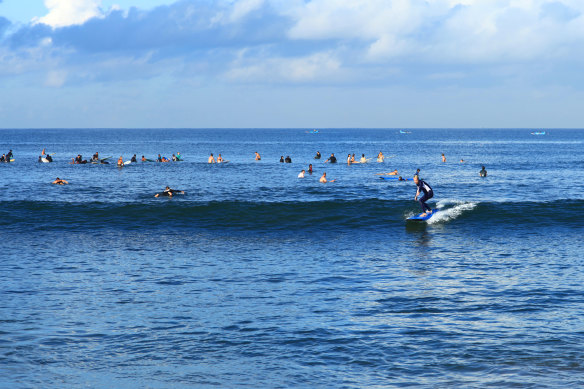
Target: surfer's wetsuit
[428, 194]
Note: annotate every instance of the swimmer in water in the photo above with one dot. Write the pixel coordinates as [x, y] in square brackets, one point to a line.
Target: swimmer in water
[281, 159]
[323, 179]
[363, 159]
[380, 157]
[310, 169]
[211, 159]
[60, 181]
[169, 192]
[258, 156]
[288, 159]
[483, 172]
[301, 174]
[443, 158]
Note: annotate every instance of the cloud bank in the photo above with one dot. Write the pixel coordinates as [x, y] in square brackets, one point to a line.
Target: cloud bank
[298, 41]
[407, 45]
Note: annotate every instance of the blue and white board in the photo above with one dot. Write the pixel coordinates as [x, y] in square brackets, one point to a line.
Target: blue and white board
[418, 217]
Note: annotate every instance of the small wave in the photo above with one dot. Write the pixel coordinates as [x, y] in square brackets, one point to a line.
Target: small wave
[451, 213]
[343, 215]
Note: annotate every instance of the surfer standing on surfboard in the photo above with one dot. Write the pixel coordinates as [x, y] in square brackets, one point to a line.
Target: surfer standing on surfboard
[428, 194]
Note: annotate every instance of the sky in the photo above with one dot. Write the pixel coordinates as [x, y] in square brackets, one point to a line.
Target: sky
[291, 63]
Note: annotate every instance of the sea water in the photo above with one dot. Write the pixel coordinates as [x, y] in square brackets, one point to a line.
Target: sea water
[256, 278]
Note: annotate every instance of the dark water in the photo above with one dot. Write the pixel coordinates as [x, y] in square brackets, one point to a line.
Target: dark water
[256, 278]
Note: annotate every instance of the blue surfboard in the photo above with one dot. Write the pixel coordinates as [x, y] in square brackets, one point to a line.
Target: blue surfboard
[422, 218]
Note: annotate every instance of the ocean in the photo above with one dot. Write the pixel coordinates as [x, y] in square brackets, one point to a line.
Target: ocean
[255, 278]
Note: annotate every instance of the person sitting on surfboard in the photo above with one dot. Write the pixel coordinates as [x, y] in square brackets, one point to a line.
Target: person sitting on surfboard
[258, 157]
[380, 157]
[49, 158]
[9, 156]
[288, 159]
[211, 159]
[483, 172]
[332, 159]
[317, 155]
[120, 161]
[301, 174]
[219, 158]
[169, 192]
[95, 157]
[310, 169]
[363, 159]
[133, 159]
[348, 159]
[428, 194]
[159, 159]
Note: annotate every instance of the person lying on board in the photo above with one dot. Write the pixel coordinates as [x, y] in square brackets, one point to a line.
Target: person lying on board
[393, 173]
[169, 192]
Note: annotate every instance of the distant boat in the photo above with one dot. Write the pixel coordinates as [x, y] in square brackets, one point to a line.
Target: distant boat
[538, 133]
[404, 132]
[312, 132]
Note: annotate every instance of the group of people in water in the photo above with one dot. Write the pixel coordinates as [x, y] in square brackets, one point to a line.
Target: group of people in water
[96, 159]
[424, 191]
[7, 157]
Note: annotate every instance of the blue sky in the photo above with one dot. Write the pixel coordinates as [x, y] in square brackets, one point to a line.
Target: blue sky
[291, 63]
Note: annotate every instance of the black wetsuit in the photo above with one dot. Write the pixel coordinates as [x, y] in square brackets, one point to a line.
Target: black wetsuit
[428, 194]
[288, 160]
[317, 156]
[332, 159]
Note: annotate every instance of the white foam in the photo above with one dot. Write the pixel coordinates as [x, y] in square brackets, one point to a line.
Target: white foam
[447, 214]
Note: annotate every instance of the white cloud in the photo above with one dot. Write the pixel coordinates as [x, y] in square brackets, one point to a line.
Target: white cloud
[64, 13]
[443, 30]
[316, 67]
[56, 78]
[243, 8]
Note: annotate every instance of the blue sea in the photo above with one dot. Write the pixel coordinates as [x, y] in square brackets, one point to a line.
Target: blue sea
[256, 278]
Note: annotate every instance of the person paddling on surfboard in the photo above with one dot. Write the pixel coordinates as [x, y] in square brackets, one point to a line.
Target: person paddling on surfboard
[169, 192]
[428, 194]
